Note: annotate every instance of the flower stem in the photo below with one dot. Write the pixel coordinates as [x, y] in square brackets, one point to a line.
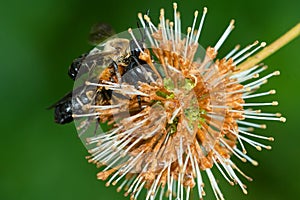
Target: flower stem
[270, 49]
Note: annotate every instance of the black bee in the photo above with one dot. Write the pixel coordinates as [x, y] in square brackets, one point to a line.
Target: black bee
[121, 56]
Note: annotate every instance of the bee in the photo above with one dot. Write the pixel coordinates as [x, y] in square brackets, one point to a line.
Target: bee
[118, 57]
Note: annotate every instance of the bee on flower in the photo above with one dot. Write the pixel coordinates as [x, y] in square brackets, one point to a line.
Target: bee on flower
[172, 109]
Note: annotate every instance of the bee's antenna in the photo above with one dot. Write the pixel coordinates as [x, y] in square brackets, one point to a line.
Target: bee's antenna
[142, 34]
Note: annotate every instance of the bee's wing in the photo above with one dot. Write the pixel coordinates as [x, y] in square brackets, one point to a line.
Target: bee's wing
[103, 55]
[100, 32]
[93, 62]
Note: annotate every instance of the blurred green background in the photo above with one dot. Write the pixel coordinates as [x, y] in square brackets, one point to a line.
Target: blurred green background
[38, 41]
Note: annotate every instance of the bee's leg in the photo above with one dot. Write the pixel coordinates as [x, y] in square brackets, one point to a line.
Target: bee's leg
[116, 69]
[97, 125]
[139, 101]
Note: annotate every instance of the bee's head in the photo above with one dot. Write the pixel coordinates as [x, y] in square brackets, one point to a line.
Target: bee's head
[134, 50]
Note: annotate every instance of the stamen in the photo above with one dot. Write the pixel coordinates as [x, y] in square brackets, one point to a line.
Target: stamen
[240, 141]
[178, 26]
[126, 169]
[122, 185]
[233, 51]
[171, 188]
[274, 103]
[199, 179]
[192, 161]
[168, 28]
[175, 20]
[237, 180]
[262, 114]
[263, 44]
[262, 126]
[135, 41]
[105, 107]
[222, 172]
[249, 72]
[187, 41]
[247, 96]
[163, 26]
[224, 36]
[139, 190]
[172, 36]
[282, 119]
[162, 191]
[174, 115]
[253, 162]
[188, 193]
[140, 16]
[214, 184]
[256, 136]
[244, 50]
[86, 115]
[151, 25]
[231, 149]
[193, 26]
[276, 73]
[200, 25]
[255, 144]
[237, 169]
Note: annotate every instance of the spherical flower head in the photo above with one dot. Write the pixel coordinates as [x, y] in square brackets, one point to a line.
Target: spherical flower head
[173, 110]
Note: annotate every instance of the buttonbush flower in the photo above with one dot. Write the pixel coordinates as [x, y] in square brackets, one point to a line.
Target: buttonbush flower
[189, 113]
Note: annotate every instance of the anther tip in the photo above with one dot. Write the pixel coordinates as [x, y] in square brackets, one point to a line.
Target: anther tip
[258, 148]
[175, 5]
[268, 147]
[272, 91]
[275, 103]
[248, 89]
[255, 42]
[277, 73]
[254, 162]
[245, 191]
[263, 126]
[282, 119]
[196, 13]
[263, 44]
[204, 10]
[271, 139]
[147, 18]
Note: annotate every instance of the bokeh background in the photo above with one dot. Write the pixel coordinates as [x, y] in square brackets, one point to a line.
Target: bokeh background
[38, 40]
